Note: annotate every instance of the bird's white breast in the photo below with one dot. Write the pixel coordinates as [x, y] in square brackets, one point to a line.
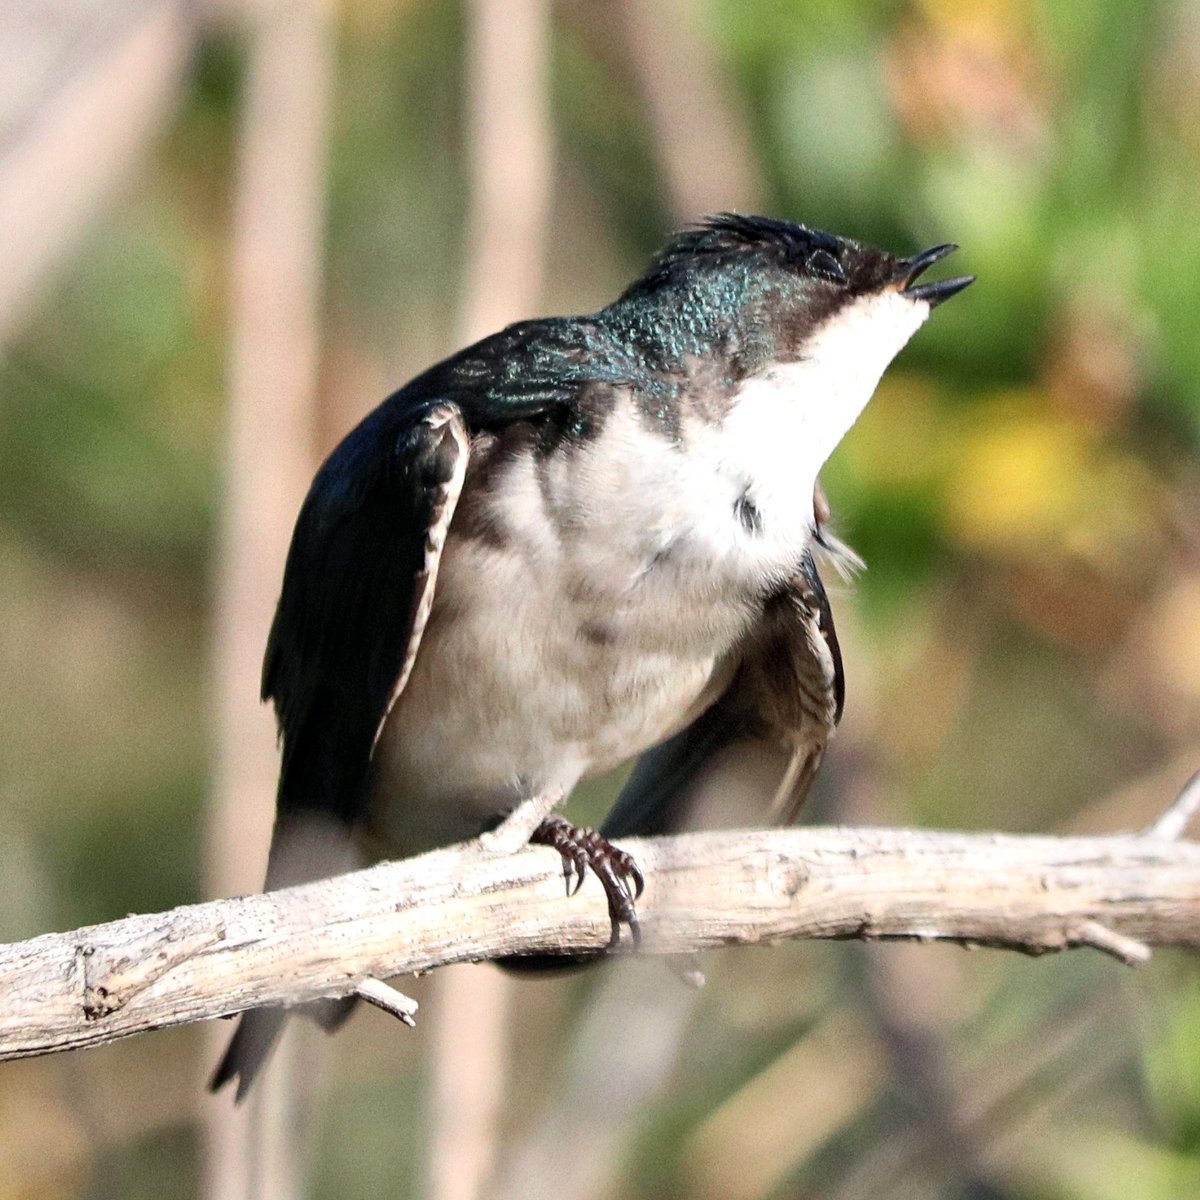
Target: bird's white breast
[605, 609]
[586, 630]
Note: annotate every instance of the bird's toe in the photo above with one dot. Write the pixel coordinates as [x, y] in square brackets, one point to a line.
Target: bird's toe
[616, 869]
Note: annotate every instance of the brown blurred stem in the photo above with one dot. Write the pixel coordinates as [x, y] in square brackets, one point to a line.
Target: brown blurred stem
[701, 136]
[1120, 894]
[256, 1150]
[510, 169]
[73, 134]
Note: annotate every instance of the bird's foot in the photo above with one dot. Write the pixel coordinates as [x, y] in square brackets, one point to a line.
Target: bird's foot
[616, 869]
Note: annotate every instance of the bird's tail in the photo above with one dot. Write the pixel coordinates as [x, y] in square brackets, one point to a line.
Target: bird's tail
[248, 1049]
[304, 847]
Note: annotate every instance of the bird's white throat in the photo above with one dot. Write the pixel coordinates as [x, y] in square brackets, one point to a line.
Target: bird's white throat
[815, 400]
[785, 422]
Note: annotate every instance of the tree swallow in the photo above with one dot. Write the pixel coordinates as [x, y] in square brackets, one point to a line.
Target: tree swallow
[580, 540]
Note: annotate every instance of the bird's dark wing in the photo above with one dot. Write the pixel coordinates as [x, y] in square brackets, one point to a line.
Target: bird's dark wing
[792, 685]
[357, 592]
[361, 569]
[788, 692]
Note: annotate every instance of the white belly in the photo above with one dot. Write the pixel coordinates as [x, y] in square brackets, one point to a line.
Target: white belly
[536, 684]
[603, 615]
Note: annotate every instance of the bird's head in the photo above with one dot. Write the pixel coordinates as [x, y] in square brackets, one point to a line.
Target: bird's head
[779, 287]
[819, 315]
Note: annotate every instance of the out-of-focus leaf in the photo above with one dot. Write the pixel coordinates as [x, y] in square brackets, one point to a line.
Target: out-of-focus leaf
[1171, 1061]
[1027, 482]
[1102, 1163]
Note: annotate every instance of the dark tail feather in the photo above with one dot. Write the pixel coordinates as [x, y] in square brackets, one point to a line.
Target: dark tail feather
[249, 1048]
[304, 846]
[655, 798]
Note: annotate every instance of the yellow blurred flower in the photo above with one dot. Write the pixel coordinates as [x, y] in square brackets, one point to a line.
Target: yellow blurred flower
[1029, 482]
[1017, 478]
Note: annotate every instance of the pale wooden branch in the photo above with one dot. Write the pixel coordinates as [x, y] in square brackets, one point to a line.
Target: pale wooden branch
[1119, 894]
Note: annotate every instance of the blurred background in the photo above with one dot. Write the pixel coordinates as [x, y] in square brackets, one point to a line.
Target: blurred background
[227, 230]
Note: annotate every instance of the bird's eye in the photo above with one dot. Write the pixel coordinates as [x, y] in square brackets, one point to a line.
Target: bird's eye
[821, 262]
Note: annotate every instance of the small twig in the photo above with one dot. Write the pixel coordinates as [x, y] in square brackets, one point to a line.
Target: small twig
[390, 999]
[1125, 949]
[1174, 822]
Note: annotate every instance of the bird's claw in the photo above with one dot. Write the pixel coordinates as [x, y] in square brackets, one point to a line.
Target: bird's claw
[615, 869]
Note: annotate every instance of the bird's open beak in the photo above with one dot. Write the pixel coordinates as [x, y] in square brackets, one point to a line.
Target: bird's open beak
[911, 269]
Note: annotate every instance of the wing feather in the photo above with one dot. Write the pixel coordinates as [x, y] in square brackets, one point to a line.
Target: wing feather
[442, 502]
[357, 593]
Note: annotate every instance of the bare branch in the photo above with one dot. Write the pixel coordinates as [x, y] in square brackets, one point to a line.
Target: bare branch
[1124, 949]
[1120, 894]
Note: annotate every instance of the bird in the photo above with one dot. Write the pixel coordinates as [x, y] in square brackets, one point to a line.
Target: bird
[579, 541]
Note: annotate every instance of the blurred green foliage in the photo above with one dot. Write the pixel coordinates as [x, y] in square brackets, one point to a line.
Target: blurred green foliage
[1025, 645]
